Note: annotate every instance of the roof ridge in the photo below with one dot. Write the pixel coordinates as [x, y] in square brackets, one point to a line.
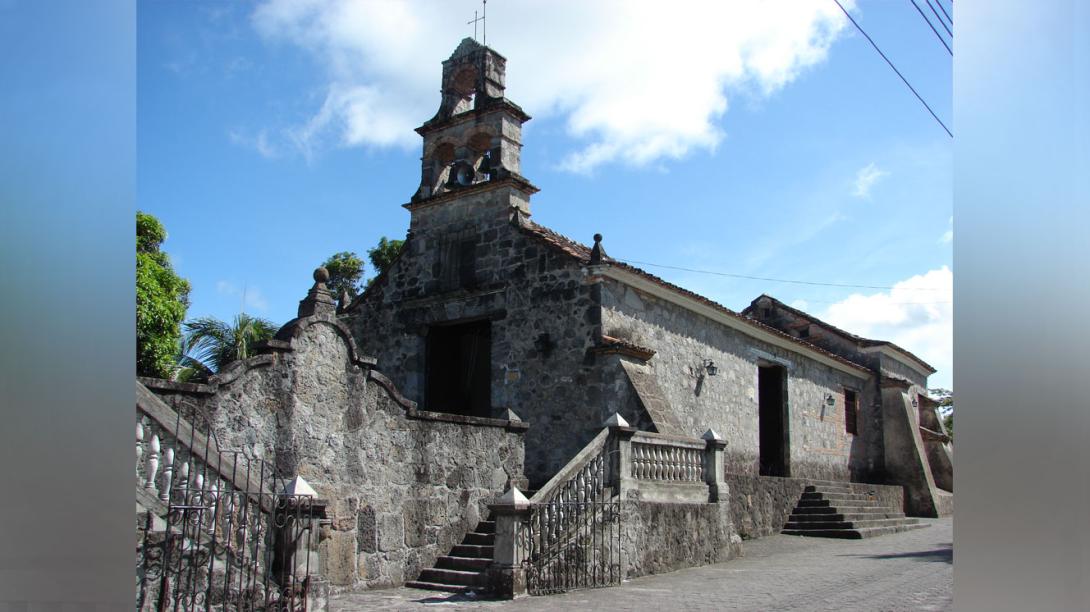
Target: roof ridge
[582, 253]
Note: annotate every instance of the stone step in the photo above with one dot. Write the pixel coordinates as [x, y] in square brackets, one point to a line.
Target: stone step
[472, 550]
[484, 539]
[486, 527]
[856, 524]
[469, 564]
[845, 516]
[827, 488]
[435, 586]
[853, 534]
[851, 497]
[452, 577]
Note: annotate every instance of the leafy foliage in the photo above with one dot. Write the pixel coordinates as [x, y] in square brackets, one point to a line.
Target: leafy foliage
[162, 298]
[345, 273]
[945, 408]
[382, 256]
[215, 344]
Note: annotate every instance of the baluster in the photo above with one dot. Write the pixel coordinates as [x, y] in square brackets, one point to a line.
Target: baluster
[168, 473]
[659, 471]
[643, 465]
[213, 507]
[139, 446]
[673, 463]
[198, 483]
[183, 481]
[153, 463]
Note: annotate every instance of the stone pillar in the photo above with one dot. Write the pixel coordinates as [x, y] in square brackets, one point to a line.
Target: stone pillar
[621, 434]
[506, 576]
[714, 470]
[295, 543]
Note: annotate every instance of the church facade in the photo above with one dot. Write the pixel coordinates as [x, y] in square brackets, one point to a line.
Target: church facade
[486, 312]
[650, 428]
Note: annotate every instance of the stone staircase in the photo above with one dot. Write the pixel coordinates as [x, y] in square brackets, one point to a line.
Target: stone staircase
[833, 510]
[464, 568]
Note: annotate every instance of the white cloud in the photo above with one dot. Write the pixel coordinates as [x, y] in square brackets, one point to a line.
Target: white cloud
[915, 319]
[948, 236]
[866, 178]
[251, 296]
[800, 304]
[635, 82]
[258, 142]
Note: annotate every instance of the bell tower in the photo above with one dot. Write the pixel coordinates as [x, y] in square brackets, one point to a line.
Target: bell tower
[472, 144]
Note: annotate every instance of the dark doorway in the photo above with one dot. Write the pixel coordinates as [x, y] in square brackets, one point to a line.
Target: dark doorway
[772, 418]
[458, 374]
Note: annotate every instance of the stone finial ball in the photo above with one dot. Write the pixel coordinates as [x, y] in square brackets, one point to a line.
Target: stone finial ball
[321, 275]
[597, 237]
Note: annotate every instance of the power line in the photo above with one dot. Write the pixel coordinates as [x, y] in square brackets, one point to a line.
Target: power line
[948, 18]
[918, 97]
[941, 22]
[776, 280]
[930, 25]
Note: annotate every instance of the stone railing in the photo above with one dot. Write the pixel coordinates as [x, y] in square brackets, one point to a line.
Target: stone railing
[568, 534]
[672, 460]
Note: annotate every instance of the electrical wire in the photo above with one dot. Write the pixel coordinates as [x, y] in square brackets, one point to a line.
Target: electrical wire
[777, 280]
[948, 18]
[930, 25]
[875, 45]
[941, 22]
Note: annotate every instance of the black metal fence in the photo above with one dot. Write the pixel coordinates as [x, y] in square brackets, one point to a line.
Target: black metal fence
[573, 545]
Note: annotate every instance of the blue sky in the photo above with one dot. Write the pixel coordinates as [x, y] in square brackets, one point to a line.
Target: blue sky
[720, 137]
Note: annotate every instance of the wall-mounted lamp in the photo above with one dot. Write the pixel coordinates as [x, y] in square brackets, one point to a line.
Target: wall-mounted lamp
[830, 400]
[710, 368]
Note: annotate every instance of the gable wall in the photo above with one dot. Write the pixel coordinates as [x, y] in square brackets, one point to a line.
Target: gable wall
[819, 446]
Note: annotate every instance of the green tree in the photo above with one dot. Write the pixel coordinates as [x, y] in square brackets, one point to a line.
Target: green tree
[215, 344]
[345, 273]
[945, 397]
[384, 254]
[162, 298]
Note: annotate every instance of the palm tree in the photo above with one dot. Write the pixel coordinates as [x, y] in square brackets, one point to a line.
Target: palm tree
[212, 344]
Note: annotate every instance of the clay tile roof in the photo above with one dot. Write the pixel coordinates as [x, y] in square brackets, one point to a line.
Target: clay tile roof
[582, 253]
[861, 341]
[609, 344]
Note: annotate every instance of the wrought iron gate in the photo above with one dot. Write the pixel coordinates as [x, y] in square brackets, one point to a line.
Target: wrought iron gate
[231, 550]
[222, 531]
[573, 545]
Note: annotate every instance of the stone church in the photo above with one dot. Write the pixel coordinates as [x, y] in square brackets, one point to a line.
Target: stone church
[650, 428]
[486, 311]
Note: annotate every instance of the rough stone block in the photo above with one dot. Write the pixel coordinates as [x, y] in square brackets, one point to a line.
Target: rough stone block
[414, 518]
[367, 530]
[391, 532]
[338, 558]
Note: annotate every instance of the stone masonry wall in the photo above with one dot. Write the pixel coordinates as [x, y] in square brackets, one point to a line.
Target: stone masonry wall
[542, 321]
[819, 446]
[659, 538]
[401, 490]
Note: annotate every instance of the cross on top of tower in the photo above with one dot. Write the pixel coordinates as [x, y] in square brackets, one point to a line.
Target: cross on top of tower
[484, 26]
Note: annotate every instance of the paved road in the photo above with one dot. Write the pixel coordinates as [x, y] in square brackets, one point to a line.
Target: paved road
[903, 571]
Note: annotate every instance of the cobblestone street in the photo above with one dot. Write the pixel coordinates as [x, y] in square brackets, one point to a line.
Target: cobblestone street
[904, 571]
